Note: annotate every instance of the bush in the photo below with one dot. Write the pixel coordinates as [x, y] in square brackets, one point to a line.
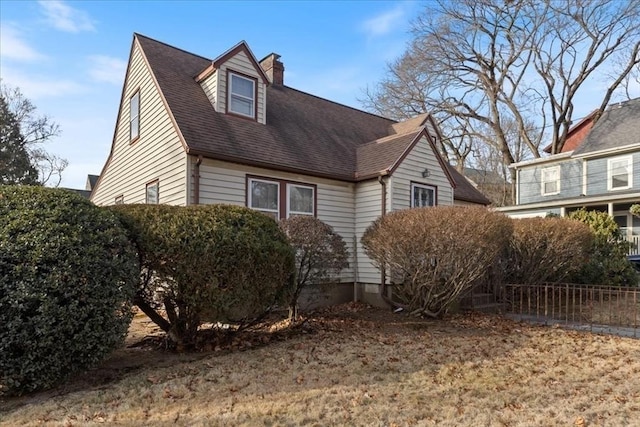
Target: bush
[207, 263]
[434, 255]
[67, 276]
[320, 253]
[546, 250]
[608, 264]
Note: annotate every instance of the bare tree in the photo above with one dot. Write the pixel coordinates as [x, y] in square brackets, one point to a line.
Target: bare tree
[487, 68]
[35, 130]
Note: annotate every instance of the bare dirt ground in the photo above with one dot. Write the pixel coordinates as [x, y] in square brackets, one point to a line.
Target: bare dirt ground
[356, 365]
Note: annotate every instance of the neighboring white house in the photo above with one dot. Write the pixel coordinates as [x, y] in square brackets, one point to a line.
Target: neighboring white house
[191, 130]
[601, 171]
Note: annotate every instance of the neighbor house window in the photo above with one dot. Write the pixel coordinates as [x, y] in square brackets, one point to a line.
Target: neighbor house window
[153, 193]
[134, 116]
[242, 95]
[120, 200]
[280, 198]
[550, 181]
[422, 195]
[300, 200]
[620, 173]
[264, 196]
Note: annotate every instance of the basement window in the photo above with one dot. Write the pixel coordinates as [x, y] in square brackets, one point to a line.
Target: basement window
[153, 193]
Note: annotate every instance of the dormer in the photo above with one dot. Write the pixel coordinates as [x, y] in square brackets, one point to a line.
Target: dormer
[236, 84]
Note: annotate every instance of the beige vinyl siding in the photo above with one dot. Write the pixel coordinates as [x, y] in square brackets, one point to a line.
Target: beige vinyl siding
[224, 182]
[368, 209]
[157, 154]
[242, 64]
[410, 170]
[210, 87]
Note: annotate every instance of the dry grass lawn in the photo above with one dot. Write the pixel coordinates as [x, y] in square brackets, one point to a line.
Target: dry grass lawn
[361, 366]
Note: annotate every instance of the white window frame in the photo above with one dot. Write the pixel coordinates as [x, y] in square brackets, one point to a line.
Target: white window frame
[134, 116]
[250, 196]
[313, 197]
[544, 180]
[415, 185]
[152, 184]
[231, 95]
[610, 162]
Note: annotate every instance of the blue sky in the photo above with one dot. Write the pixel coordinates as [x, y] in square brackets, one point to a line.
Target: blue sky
[69, 57]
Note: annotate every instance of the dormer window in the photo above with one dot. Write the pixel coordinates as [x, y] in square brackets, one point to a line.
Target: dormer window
[242, 95]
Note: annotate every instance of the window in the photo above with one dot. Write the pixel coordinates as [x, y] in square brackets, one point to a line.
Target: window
[422, 195]
[241, 95]
[269, 195]
[119, 200]
[153, 193]
[300, 200]
[620, 173]
[550, 181]
[134, 117]
[264, 196]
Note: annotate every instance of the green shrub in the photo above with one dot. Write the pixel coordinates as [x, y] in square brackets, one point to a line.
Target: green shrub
[320, 253]
[207, 263]
[67, 276]
[546, 250]
[608, 264]
[433, 255]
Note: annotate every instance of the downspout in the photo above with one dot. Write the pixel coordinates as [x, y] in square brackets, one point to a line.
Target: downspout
[196, 181]
[383, 270]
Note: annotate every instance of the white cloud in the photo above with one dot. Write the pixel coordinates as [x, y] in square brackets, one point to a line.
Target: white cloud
[107, 69]
[15, 47]
[386, 22]
[39, 86]
[63, 17]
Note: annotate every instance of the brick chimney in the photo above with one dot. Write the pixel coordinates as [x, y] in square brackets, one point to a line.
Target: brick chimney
[273, 68]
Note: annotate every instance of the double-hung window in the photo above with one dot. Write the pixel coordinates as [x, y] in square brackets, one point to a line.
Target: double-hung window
[550, 181]
[134, 116]
[280, 198]
[620, 173]
[422, 195]
[242, 92]
[264, 196]
[153, 193]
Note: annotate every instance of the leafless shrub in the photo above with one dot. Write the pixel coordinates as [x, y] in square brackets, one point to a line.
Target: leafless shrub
[320, 253]
[546, 249]
[434, 255]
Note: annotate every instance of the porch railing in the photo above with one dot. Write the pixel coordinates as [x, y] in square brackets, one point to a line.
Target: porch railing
[595, 308]
[635, 245]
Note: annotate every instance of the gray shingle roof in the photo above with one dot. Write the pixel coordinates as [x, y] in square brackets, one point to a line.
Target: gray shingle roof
[304, 133]
[618, 126]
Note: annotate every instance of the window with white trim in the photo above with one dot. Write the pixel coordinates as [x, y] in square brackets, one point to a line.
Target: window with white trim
[264, 196]
[241, 95]
[279, 198]
[300, 200]
[550, 181]
[134, 116]
[119, 200]
[152, 196]
[620, 173]
[422, 195]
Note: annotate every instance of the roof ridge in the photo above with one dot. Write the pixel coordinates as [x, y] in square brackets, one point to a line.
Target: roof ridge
[342, 105]
[171, 46]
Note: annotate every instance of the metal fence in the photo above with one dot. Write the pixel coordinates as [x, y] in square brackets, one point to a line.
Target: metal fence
[596, 308]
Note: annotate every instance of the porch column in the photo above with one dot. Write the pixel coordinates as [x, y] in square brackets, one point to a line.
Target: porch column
[610, 209]
[563, 211]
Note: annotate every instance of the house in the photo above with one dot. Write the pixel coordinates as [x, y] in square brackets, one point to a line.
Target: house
[491, 184]
[601, 173]
[191, 130]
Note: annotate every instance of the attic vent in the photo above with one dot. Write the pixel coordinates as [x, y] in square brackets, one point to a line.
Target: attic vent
[273, 68]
